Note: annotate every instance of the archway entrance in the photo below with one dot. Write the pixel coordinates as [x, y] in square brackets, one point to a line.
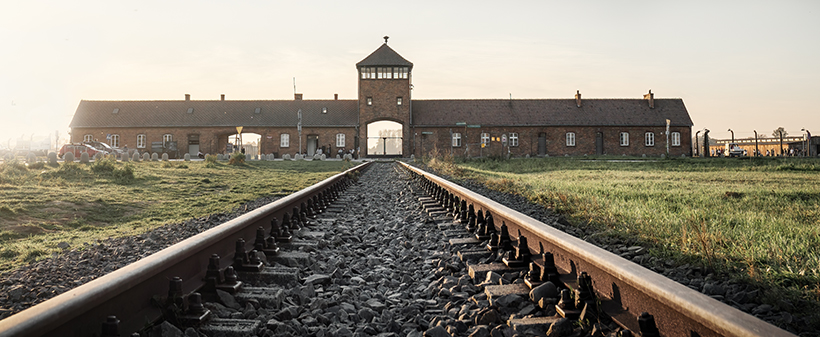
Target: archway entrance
[384, 139]
[247, 142]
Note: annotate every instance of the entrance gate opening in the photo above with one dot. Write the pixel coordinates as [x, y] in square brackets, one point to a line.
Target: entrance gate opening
[249, 142]
[384, 138]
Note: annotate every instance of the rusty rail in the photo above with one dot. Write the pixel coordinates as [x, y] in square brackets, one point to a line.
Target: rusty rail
[633, 289]
[127, 292]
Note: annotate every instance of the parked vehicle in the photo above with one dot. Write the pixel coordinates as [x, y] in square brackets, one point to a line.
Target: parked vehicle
[78, 150]
[732, 150]
[100, 146]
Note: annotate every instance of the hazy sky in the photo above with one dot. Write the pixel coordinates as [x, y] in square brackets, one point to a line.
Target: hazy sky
[743, 65]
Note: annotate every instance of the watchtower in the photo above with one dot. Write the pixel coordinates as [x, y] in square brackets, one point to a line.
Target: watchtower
[385, 79]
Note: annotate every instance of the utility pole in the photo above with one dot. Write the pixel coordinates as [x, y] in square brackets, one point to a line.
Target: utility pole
[756, 150]
[697, 150]
[299, 125]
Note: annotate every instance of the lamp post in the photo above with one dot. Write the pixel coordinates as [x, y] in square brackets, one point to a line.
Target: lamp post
[706, 143]
[733, 135]
[781, 143]
[697, 150]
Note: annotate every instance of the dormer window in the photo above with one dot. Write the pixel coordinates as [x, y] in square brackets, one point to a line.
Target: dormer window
[190, 110]
[116, 111]
[257, 111]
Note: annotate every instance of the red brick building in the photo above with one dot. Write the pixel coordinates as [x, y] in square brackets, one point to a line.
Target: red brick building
[386, 120]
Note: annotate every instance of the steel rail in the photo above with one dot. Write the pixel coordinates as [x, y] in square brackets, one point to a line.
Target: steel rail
[127, 292]
[677, 309]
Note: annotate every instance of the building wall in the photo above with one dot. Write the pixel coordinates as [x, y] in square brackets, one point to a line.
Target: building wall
[214, 140]
[556, 145]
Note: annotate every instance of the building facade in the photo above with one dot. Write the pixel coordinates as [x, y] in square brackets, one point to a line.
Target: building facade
[385, 120]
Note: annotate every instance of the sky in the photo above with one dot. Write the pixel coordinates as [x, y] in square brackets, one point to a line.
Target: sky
[741, 65]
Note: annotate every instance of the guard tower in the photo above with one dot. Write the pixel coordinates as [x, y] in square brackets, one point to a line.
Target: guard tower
[384, 98]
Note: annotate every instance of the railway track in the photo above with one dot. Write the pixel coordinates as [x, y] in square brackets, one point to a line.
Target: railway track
[364, 259]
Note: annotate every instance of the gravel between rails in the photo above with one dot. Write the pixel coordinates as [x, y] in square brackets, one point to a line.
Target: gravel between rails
[388, 272]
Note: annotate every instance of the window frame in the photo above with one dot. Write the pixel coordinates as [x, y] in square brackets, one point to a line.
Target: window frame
[623, 139]
[675, 138]
[167, 138]
[369, 101]
[340, 140]
[649, 138]
[456, 139]
[513, 139]
[142, 139]
[399, 100]
[484, 138]
[284, 140]
[115, 140]
[88, 137]
[571, 139]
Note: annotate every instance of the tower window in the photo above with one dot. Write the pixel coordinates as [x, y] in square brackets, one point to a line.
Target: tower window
[384, 73]
[400, 72]
[398, 100]
[368, 72]
[370, 101]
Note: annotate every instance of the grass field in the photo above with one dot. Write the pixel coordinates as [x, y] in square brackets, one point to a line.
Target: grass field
[757, 219]
[41, 206]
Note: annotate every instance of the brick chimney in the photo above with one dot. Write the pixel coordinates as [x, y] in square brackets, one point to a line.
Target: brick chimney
[578, 98]
[651, 97]
[222, 97]
[187, 97]
[335, 97]
[297, 97]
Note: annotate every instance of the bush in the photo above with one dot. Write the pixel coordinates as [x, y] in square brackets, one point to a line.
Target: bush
[124, 174]
[104, 165]
[237, 158]
[37, 166]
[210, 159]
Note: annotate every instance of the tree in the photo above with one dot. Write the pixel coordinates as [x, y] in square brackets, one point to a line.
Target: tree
[776, 132]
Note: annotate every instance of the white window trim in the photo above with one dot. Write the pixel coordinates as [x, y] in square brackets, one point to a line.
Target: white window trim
[88, 138]
[456, 141]
[166, 138]
[649, 139]
[340, 140]
[675, 138]
[570, 138]
[141, 141]
[399, 101]
[513, 139]
[624, 139]
[115, 140]
[284, 140]
[485, 138]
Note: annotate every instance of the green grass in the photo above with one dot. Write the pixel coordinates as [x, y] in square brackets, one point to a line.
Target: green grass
[757, 219]
[79, 203]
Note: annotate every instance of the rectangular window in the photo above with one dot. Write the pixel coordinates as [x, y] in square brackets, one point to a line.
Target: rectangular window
[368, 73]
[370, 101]
[400, 72]
[456, 139]
[384, 73]
[284, 140]
[485, 138]
[513, 139]
[675, 138]
[398, 100]
[340, 140]
[650, 139]
[166, 138]
[88, 138]
[140, 141]
[624, 138]
[115, 141]
[570, 138]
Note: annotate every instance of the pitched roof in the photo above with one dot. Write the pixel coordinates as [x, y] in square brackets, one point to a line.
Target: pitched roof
[384, 56]
[214, 113]
[550, 112]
